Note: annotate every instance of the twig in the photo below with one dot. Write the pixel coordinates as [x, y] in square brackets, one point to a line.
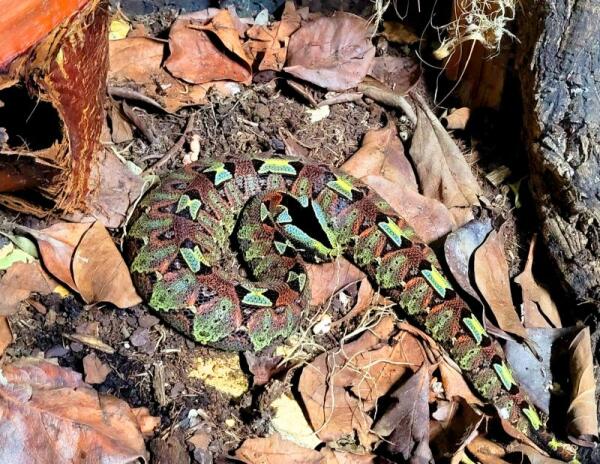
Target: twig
[303, 92]
[341, 98]
[389, 98]
[174, 149]
[139, 123]
[124, 92]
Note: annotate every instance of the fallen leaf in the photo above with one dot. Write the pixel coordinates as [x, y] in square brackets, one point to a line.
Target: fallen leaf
[457, 119]
[289, 421]
[534, 373]
[262, 367]
[95, 370]
[20, 281]
[486, 451]
[317, 114]
[454, 383]
[329, 278]
[92, 341]
[341, 457]
[61, 419]
[99, 272]
[197, 59]
[121, 130]
[459, 248]
[6, 337]
[269, 43]
[533, 455]
[10, 254]
[582, 422]
[367, 367]
[491, 278]
[398, 73]
[146, 422]
[275, 450]
[539, 310]
[320, 54]
[441, 167]
[398, 32]
[118, 29]
[406, 422]
[222, 372]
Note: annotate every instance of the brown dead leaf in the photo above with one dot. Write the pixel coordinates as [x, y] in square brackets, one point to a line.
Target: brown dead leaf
[452, 433]
[539, 310]
[61, 419]
[399, 73]
[320, 54]
[341, 457]
[582, 422]
[486, 451]
[329, 278]
[6, 337]
[137, 62]
[533, 455]
[455, 385]
[457, 119]
[121, 130]
[406, 422]
[491, 278]
[197, 59]
[99, 271]
[441, 168]
[276, 450]
[146, 422]
[271, 42]
[20, 281]
[94, 369]
[398, 32]
[368, 367]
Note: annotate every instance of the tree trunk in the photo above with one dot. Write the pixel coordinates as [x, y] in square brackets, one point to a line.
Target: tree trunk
[558, 61]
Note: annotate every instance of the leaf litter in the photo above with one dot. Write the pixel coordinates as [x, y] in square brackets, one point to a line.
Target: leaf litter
[367, 376]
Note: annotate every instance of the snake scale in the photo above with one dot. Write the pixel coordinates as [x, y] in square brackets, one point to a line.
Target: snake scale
[278, 213]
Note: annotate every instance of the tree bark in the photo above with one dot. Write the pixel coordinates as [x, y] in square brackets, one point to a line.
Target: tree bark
[558, 61]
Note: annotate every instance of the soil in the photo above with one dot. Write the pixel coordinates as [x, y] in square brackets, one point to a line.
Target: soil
[252, 121]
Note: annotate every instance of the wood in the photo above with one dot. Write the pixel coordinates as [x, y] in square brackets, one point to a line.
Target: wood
[558, 62]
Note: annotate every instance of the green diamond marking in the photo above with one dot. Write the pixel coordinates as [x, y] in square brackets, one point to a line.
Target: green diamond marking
[194, 258]
[393, 231]
[284, 216]
[475, 328]
[221, 173]
[533, 417]
[505, 375]
[277, 166]
[300, 277]
[437, 281]
[186, 202]
[342, 185]
[264, 212]
[255, 297]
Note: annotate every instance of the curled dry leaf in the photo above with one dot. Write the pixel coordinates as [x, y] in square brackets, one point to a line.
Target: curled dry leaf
[85, 258]
[398, 32]
[60, 418]
[459, 248]
[381, 164]
[275, 450]
[533, 455]
[441, 168]
[197, 59]
[406, 422]
[95, 370]
[367, 367]
[341, 457]
[486, 451]
[20, 281]
[582, 422]
[271, 41]
[491, 278]
[6, 337]
[399, 73]
[320, 54]
[457, 119]
[539, 310]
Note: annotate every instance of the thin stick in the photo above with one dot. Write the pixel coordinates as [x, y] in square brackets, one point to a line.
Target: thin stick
[174, 149]
[124, 92]
[341, 98]
[389, 98]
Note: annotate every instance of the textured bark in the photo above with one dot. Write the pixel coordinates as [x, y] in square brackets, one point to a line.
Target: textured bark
[558, 62]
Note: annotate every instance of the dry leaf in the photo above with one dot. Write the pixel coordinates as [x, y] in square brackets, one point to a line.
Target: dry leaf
[368, 367]
[399, 73]
[6, 337]
[486, 451]
[99, 271]
[582, 422]
[341, 457]
[20, 281]
[271, 42]
[454, 383]
[395, 31]
[406, 422]
[491, 278]
[320, 54]
[533, 455]
[457, 119]
[459, 248]
[276, 450]
[95, 370]
[196, 59]
[121, 129]
[441, 168]
[329, 278]
[539, 310]
[56, 418]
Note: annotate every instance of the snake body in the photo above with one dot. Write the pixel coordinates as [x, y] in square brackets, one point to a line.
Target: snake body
[279, 213]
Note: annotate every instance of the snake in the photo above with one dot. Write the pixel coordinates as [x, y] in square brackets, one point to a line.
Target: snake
[273, 214]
